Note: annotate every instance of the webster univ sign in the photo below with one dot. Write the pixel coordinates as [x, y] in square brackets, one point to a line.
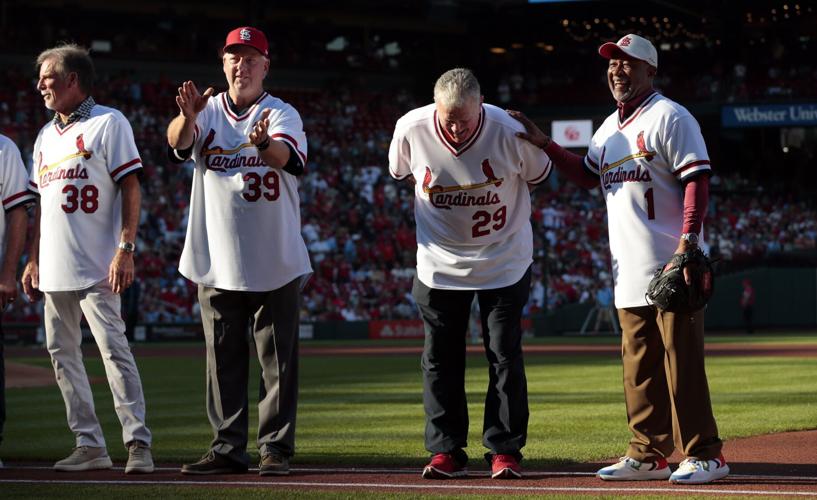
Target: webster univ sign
[770, 115]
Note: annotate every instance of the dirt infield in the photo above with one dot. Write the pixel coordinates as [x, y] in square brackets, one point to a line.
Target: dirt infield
[772, 465]
[778, 464]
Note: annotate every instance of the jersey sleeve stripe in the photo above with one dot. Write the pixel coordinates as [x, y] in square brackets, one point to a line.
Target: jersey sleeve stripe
[119, 172]
[698, 163]
[543, 175]
[288, 138]
[395, 176]
[591, 166]
[20, 198]
[34, 188]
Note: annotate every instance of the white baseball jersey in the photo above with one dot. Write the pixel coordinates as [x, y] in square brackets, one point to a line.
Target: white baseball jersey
[472, 202]
[13, 180]
[76, 173]
[244, 230]
[641, 163]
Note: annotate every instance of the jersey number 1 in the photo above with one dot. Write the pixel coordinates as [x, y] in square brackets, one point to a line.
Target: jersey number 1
[650, 204]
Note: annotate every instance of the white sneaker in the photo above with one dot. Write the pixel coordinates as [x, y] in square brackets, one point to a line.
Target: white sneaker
[694, 471]
[630, 469]
[85, 458]
[140, 460]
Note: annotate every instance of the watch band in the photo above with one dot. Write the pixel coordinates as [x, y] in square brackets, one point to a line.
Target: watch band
[691, 238]
[127, 246]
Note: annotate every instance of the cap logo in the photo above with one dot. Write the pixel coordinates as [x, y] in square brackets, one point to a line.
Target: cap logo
[245, 35]
[625, 41]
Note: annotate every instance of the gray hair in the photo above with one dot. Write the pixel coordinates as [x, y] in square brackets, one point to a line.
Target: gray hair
[71, 58]
[456, 87]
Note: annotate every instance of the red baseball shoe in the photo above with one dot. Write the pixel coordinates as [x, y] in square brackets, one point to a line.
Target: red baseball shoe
[505, 467]
[443, 466]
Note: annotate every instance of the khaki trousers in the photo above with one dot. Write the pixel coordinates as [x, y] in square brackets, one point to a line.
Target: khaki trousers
[665, 387]
[63, 312]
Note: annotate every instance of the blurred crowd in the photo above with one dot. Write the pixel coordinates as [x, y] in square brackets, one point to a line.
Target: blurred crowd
[358, 223]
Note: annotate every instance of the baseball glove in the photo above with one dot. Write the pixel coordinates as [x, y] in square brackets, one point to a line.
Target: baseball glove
[668, 289]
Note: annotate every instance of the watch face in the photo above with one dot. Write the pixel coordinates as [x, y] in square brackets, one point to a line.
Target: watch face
[692, 238]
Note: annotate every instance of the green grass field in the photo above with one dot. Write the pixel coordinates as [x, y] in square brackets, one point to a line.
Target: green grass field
[357, 410]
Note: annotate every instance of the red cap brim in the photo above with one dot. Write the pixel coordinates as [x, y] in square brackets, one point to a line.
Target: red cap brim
[610, 50]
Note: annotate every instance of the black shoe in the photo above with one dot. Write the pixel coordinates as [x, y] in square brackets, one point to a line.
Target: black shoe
[213, 463]
[273, 464]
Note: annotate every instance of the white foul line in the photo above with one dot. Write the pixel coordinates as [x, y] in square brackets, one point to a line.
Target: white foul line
[472, 474]
[436, 487]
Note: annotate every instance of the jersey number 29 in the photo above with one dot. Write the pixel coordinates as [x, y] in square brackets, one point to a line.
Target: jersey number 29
[484, 218]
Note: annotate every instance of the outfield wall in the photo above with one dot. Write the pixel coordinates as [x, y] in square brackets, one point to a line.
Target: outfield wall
[784, 298]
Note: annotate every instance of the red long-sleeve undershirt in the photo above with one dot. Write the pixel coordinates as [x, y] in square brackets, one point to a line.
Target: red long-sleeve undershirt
[696, 190]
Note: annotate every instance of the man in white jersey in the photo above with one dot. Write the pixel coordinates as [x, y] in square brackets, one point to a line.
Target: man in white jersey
[472, 207]
[81, 253]
[15, 196]
[652, 163]
[245, 251]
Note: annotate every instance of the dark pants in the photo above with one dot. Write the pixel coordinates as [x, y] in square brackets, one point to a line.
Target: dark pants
[2, 384]
[665, 386]
[273, 316]
[445, 315]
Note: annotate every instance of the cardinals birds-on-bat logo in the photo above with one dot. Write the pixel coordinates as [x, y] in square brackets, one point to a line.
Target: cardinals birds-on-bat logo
[81, 148]
[642, 147]
[491, 179]
[489, 173]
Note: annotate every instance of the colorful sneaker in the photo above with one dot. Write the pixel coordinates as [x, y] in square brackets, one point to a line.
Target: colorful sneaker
[85, 458]
[505, 467]
[630, 469]
[694, 471]
[140, 460]
[443, 466]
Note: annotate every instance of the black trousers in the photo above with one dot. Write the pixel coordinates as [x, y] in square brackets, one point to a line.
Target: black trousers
[445, 316]
[273, 318]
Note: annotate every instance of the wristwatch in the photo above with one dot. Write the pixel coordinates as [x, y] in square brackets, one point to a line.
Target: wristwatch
[691, 238]
[127, 246]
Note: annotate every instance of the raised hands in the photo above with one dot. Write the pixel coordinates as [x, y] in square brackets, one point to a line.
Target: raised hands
[190, 101]
[259, 134]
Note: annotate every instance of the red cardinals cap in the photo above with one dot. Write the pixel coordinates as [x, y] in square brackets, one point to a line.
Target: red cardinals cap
[247, 35]
[631, 45]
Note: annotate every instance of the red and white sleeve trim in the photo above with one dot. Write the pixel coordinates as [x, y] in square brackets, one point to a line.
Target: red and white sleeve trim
[591, 166]
[544, 175]
[396, 176]
[292, 142]
[33, 187]
[21, 198]
[123, 170]
[691, 168]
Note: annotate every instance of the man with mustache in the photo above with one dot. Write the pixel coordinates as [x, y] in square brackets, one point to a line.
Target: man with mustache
[654, 170]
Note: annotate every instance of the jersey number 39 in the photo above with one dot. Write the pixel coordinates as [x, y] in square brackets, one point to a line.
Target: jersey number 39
[257, 186]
